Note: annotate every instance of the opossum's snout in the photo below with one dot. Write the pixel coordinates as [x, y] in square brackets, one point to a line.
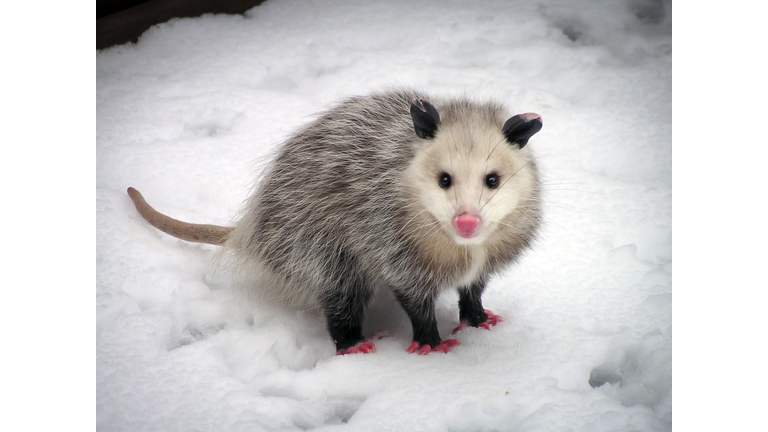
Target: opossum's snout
[467, 225]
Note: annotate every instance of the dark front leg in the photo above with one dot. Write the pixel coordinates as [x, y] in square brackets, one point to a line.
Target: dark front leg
[421, 310]
[471, 310]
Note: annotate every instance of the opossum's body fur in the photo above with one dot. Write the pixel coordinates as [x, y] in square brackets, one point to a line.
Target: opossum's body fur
[355, 199]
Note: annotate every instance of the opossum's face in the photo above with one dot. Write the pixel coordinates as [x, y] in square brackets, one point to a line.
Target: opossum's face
[470, 178]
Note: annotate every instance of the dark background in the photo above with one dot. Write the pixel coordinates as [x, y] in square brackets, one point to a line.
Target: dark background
[121, 21]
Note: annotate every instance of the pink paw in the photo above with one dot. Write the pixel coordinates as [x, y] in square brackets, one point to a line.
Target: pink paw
[364, 348]
[426, 349]
[493, 320]
[461, 327]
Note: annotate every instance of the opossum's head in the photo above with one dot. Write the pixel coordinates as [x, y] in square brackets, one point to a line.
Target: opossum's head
[472, 171]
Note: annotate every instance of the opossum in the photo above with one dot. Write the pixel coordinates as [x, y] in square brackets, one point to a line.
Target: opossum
[396, 189]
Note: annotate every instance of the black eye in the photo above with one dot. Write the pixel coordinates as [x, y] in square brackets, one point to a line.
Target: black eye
[444, 181]
[492, 181]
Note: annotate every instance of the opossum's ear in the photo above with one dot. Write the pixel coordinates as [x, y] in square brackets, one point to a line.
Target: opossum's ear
[425, 118]
[521, 127]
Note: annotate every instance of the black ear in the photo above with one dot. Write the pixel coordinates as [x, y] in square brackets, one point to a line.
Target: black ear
[425, 118]
[521, 127]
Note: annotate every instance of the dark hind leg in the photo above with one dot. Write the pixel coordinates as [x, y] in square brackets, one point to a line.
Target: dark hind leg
[344, 303]
[471, 311]
[421, 311]
[344, 313]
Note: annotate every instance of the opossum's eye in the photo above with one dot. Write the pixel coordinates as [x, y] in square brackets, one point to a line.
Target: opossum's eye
[425, 118]
[444, 181]
[518, 129]
[492, 180]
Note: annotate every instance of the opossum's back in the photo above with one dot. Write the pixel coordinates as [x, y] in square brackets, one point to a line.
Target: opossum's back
[333, 190]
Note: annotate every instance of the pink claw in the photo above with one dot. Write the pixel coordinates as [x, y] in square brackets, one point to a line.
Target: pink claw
[364, 348]
[444, 347]
[447, 345]
[493, 320]
[413, 348]
[461, 327]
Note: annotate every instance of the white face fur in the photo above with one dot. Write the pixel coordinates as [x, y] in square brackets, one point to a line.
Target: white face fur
[469, 179]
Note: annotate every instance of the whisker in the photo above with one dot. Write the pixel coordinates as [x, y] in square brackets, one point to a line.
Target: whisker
[505, 182]
[492, 150]
[479, 200]
[453, 173]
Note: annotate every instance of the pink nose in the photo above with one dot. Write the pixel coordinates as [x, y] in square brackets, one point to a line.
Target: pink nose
[466, 224]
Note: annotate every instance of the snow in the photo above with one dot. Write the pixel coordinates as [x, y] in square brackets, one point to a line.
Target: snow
[191, 113]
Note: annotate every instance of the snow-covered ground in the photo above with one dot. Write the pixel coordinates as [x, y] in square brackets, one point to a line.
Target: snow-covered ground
[189, 115]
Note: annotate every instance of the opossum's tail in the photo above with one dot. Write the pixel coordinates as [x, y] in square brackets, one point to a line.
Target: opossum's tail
[211, 234]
